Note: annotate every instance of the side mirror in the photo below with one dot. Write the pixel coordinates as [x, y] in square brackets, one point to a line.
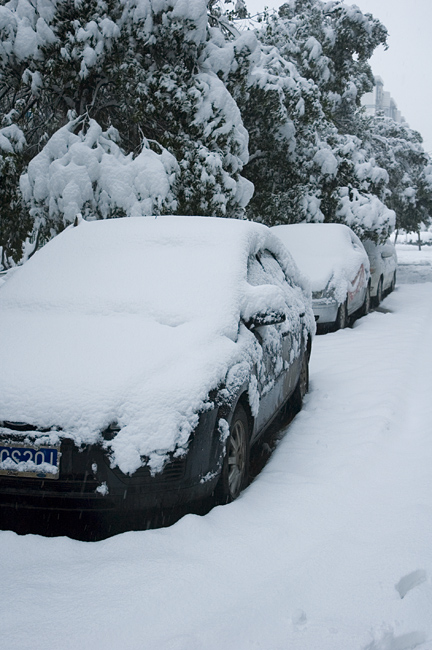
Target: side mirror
[272, 317]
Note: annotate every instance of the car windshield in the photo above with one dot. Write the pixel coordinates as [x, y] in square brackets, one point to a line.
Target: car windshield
[168, 269]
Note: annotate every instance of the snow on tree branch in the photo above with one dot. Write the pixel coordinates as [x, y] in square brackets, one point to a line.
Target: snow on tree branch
[120, 107]
[88, 173]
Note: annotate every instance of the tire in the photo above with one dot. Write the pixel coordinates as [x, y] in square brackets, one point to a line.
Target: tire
[302, 385]
[393, 283]
[379, 295]
[235, 468]
[367, 302]
[342, 317]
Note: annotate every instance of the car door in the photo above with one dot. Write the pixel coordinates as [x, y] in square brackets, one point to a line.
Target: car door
[388, 261]
[357, 290]
[281, 344]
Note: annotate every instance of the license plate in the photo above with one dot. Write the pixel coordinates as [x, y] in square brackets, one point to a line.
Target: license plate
[22, 460]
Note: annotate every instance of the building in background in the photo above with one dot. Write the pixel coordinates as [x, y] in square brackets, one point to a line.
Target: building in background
[381, 101]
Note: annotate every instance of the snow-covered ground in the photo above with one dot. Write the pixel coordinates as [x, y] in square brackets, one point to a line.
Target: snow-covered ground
[414, 265]
[330, 548]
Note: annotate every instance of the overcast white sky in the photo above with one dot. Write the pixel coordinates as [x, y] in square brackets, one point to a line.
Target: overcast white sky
[406, 66]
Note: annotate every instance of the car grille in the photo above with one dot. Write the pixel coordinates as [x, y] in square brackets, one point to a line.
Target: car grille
[174, 470]
[78, 484]
[76, 469]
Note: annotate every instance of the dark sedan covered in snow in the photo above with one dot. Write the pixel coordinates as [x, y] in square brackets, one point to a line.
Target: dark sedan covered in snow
[141, 358]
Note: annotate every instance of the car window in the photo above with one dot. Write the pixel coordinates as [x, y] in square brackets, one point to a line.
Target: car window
[357, 245]
[264, 268]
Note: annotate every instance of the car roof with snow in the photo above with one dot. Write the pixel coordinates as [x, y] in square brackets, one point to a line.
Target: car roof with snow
[134, 321]
[323, 251]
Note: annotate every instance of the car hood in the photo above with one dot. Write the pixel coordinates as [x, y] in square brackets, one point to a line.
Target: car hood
[325, 271]
[81, 372]
[336, 276]
[321, 273]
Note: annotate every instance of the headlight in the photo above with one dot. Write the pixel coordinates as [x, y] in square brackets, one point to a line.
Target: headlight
[327, 292]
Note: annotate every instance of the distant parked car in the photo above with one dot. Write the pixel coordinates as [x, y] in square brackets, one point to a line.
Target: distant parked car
[383, 266]
[141, 358]
[335, 261]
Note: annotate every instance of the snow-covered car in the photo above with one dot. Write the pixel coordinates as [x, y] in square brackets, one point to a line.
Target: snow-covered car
[335, 261]
[142, 357]
[383, 266]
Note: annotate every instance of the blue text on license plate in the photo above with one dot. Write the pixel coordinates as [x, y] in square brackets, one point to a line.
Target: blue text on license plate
[20, 460]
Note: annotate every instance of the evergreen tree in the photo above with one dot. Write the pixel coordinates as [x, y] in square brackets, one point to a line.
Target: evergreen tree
[399, 150]
[130, 107]
[135, 72]
[14, 220]
[306, 162]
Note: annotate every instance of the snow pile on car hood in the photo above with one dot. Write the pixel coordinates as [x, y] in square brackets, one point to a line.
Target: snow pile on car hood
[131, 321]
[325, 254]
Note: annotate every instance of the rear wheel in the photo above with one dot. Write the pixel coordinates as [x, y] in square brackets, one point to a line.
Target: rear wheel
[393, 283]
[235, 469]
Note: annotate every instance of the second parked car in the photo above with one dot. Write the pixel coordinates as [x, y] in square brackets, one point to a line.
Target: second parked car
[335, 261]
[383, 265]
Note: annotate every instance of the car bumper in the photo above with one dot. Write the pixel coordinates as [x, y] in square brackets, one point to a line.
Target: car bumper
[22, 497]
[325, 310]
[88, 484]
